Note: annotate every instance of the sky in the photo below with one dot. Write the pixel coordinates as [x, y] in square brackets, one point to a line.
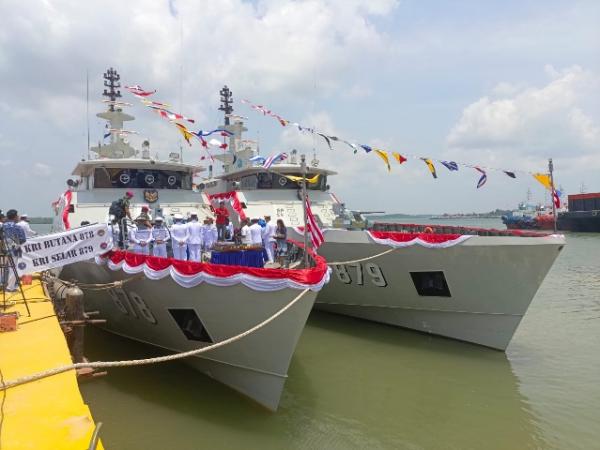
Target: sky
[499, 84]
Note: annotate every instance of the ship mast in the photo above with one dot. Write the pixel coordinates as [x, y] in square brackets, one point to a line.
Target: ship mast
[111, 80]
[118, 147]
[235, 125]
[226, 103]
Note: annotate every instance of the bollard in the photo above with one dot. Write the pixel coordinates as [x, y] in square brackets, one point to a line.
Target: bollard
[74, 312]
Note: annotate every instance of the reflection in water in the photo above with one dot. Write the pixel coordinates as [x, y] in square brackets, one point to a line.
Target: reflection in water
[353, 384]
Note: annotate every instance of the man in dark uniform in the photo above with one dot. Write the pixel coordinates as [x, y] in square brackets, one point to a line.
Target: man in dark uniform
[120, 209]
[14, 237]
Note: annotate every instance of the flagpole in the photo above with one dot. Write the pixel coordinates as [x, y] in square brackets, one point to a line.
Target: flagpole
[551, 170]
[87, 110]
[303, 169]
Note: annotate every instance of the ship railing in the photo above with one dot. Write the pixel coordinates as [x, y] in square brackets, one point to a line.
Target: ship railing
[452, 229]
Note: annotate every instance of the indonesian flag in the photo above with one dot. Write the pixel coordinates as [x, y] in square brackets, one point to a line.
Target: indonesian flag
[556, 198]
[316, 235]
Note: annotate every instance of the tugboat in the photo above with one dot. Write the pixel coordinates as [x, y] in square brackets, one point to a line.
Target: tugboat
[583, 214]
[183, 305]
[467, 284]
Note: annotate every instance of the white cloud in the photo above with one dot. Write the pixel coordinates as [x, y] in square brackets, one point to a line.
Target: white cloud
[544, 121]
[41, 170]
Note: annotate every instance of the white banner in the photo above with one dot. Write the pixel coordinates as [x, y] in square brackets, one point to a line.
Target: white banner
[59, 249]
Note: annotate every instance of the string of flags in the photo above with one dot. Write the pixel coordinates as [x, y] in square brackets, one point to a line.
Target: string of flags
[162, 109]
[452, 166]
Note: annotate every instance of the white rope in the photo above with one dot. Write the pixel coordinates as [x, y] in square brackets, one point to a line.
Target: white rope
[147, 361]
[362, 259]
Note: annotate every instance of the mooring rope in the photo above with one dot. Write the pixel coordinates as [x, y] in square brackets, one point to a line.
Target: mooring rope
[142, 362]
[94, 286]
[354, 261]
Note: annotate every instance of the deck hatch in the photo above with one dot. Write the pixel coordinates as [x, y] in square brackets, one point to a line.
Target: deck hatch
[431, 284]
[190, 324]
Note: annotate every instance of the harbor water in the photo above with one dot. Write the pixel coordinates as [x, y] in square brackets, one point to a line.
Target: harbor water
[360, 385]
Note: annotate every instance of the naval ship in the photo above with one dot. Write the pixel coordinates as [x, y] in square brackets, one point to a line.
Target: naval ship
[182, 305]
[474, 286]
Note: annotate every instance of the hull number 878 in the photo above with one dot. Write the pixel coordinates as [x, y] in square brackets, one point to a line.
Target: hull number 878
[357, 273]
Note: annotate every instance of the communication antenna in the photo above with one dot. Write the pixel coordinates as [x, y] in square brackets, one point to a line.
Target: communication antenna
[111, 81]
[226, 103]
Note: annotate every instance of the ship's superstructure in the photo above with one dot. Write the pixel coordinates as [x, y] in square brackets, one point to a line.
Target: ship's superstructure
[165, 186]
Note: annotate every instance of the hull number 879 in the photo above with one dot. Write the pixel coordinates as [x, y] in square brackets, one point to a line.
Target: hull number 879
[357, 273]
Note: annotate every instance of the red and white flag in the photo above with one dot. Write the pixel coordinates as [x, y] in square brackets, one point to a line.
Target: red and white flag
[316, 235]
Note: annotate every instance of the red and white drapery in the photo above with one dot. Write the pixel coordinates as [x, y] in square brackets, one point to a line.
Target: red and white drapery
[428, 240]
[62, 207]
[190, 274]
[233, 199]
[399, 240]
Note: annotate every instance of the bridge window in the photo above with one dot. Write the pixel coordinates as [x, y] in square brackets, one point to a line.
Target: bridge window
[267, 180]
[141, 178]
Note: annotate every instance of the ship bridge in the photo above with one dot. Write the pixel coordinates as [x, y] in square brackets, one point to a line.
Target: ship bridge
[257, 177]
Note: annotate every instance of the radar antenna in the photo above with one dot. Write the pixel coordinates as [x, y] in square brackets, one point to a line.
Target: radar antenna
[226, 103]
[111, 81]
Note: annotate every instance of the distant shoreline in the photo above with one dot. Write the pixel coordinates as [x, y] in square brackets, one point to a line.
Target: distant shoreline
[40, 220]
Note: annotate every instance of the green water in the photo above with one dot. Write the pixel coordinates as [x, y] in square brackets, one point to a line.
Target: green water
[357, 385]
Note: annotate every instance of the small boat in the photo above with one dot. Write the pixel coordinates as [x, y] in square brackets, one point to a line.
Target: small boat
[181, 305]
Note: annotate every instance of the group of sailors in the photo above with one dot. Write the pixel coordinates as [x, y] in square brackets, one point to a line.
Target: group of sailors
[187, 239]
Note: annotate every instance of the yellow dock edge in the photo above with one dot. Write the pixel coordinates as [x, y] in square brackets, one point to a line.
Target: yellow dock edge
[48, 413]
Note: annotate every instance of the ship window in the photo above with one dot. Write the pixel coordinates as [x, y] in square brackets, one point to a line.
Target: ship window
[431, 284]
[141, 178]
[266, 180]
[190, 324]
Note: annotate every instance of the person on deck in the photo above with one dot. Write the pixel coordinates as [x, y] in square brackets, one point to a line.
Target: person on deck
[121, 210]
[141, 236]
[160, 236]
[210, 234]
[180, 234]
[15, 237]
[195, 238]
[255, 233]
[245, 233]
[229, 230]
[268, 238]
[115, 230]
[222, 216]
[24, 223]
[146, 214]
[281, 239]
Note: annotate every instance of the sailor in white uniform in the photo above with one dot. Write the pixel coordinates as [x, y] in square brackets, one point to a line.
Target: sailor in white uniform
[195, 238]
[255, 233]
[115, 230]
[245, 233]
[24, 223]
[210, 234]
[180, 234]
[141, 236]
[160, 236]
[268, 238]
[229, 230]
